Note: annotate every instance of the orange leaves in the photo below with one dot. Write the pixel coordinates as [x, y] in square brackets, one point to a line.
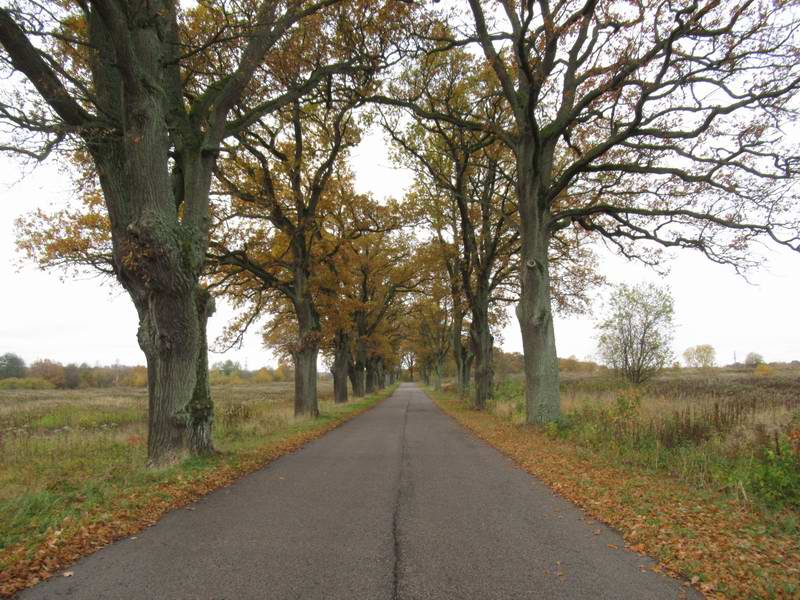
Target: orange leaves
[127, 514]
[724, 548]
[70, 239]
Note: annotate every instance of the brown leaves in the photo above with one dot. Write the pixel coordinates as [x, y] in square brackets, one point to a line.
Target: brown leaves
[126, 515]
[724, 548]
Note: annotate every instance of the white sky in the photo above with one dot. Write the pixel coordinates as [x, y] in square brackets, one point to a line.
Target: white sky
[84, 321]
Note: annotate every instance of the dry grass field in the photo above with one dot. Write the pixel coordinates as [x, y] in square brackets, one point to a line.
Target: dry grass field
[68, 457]
[723, 429]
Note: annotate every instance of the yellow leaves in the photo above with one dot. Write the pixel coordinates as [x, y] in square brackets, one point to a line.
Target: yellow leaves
[68, 239]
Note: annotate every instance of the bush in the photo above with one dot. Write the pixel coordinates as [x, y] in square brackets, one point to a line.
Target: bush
[235, 413]
[764, 370]
[219, 378]
[25, 383]
[776, 479]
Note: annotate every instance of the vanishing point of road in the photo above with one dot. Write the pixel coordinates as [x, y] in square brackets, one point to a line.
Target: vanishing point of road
[399, 503]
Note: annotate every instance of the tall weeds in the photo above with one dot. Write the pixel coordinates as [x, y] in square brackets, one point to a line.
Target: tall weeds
[734, 431]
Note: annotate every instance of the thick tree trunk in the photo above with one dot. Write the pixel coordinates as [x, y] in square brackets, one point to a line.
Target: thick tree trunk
[169, 335]
[481, 341]
[437, 376]
[359, 369]
[359, 380]
[482, 345]
[459, 353]
[466, 371]
[159, 253]
[305, 353]
[381, 375]
[372, 375]
[341, 364]
[534, 310]
[201, 408]
[305, 382]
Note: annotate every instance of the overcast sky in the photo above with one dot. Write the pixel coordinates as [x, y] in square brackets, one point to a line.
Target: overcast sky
[42, 316]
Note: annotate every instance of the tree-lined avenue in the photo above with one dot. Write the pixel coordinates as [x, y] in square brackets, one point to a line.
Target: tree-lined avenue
[399, 503]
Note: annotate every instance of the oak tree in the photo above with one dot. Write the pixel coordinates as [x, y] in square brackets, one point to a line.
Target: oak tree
[664, 121]
[149, 91]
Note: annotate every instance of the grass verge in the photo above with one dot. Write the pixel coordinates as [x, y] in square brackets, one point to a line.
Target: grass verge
[48, 530]
[727, 549]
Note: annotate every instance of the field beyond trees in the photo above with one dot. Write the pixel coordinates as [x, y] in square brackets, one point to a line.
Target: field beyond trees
[698, 468]
[736, 430]
[73, 461]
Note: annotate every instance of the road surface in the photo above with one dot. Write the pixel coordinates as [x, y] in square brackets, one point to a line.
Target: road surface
[399, 503]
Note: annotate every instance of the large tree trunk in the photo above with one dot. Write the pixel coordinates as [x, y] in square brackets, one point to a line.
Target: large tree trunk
[534, 310]
[482, 345]
[157, 200]
[459, 352]
[437, 375]
[305, 353]
[466, 371]
[372, 375]
[359, 379]
[359, 375]
[381, 376]
[341, 364]
[170, 338]
[201, 408]
[305, 382]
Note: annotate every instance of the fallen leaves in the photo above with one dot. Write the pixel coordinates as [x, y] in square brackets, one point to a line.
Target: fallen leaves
[723, 547]
[23, 567]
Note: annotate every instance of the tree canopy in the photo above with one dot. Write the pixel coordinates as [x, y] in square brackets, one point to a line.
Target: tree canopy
[209, 146]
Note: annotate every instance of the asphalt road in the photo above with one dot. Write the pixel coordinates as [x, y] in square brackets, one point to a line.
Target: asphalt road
[399, 503]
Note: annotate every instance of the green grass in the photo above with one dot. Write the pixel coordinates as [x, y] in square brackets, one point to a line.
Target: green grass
[726, 430]
[66, 454]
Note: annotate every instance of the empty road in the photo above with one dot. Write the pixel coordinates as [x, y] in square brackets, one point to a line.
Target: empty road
[398, 503]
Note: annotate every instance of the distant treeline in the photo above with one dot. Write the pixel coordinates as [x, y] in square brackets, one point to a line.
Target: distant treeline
[508, 363]
[49, 374]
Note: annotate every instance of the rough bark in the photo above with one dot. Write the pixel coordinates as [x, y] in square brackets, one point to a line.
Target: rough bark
[154, 156]
[460, 352]
[437, 376]
[201, 408]
[360, 357]
[341, 366]
[305, 358]
[305, 381]
[534, 310]
[351, 373]
[372, 375]
[466, 372]
[359, 379]
[169, 337]
[482, 345]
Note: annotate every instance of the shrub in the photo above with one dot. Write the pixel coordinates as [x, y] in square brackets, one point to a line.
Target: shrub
[764, 370]
[25, 383]
[234, 413]
[776, 479]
